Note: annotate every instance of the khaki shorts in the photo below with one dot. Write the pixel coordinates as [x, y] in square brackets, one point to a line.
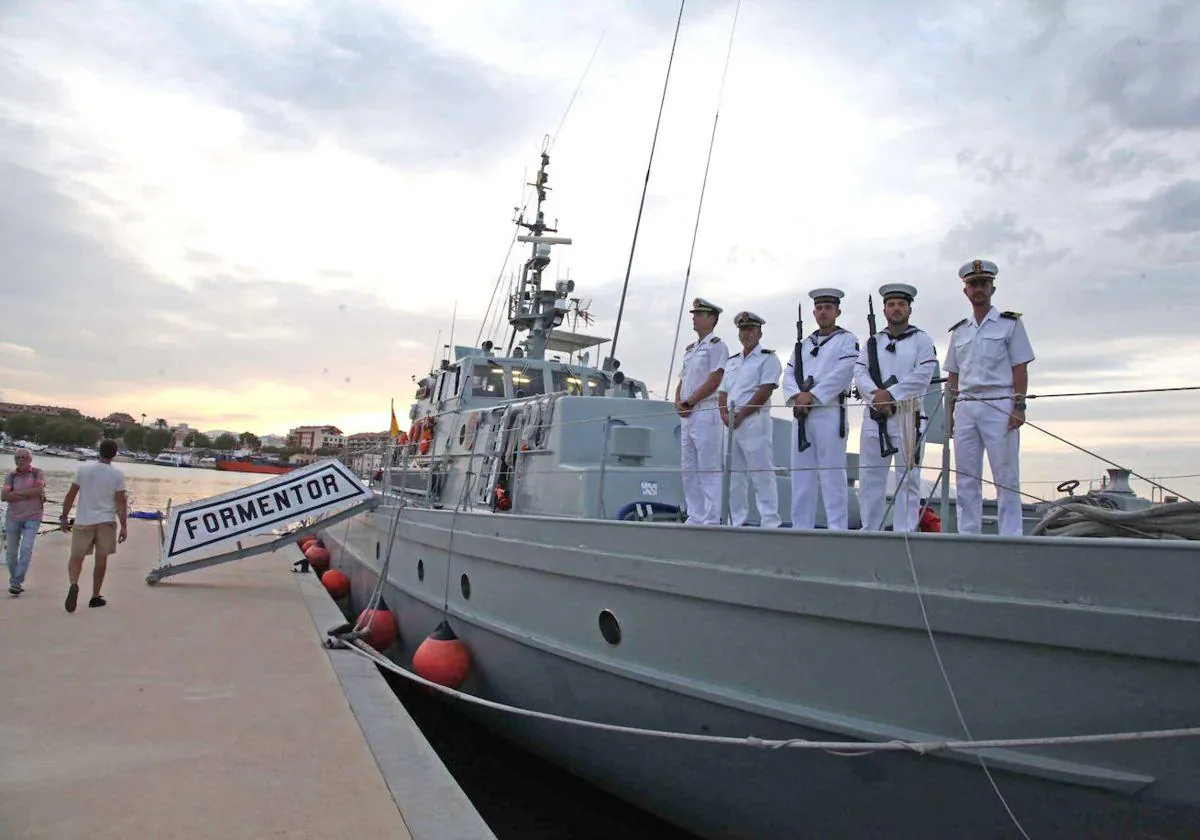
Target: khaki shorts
[101, 537]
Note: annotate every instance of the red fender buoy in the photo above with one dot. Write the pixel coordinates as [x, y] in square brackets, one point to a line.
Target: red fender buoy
[336, 583]
[383, 632]
[442, 658]
[318, 557]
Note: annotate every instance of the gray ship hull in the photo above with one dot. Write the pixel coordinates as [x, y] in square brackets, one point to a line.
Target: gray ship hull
[821, 636]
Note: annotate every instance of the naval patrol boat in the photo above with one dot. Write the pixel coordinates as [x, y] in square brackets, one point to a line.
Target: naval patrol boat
[973, 686]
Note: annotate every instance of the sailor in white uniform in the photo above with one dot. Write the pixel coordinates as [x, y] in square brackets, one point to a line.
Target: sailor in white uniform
[987, 367]
[899, 365]
[696, 403]
[816, 382]
[750, 377]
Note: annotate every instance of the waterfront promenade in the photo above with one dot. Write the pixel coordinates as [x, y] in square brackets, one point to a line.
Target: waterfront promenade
[203, 707]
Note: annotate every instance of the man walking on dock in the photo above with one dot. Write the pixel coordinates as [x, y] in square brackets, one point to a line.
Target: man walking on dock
[100, 488]
[25, 492]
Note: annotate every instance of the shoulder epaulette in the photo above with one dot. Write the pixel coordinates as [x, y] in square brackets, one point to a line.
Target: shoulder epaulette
[737, 355]
[716, 339]
[768, 351]
[1012, 316]
[690, 346]
[959, 324]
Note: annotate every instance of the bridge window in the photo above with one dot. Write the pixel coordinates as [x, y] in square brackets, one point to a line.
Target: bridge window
[596, 384]
[528, 381]
[487, 380]
[567, 380]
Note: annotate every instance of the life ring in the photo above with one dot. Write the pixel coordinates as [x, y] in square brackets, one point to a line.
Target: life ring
[426, 435]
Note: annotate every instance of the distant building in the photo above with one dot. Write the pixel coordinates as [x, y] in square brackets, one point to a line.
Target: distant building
[361, 438]
[44, 410]
[179, 434]
[278, 441]
[118, 419]
[312, 438]
[216, 433]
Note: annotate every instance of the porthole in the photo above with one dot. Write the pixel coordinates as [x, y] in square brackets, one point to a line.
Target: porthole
[420, 570]
[610, 628]
[376, 550]
[464, 583]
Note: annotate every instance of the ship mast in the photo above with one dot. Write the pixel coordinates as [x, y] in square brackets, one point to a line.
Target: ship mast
[531, 308]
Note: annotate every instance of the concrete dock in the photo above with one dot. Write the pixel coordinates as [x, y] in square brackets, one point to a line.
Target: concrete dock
[205, 706]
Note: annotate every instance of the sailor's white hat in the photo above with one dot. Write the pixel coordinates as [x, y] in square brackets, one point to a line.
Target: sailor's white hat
[898, 290]
[978, 270]
[827, 295]
[701, 305]
[748, 319]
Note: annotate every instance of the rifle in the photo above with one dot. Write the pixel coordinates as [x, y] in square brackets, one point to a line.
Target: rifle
[802, 441]
[886, 447]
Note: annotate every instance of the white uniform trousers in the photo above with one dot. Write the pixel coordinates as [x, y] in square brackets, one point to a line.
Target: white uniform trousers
[824, 464]
[752, 458]
[980, 425]
[873, 475]
[701, 436]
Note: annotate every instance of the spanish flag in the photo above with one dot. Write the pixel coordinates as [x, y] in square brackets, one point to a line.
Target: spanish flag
[395, 430]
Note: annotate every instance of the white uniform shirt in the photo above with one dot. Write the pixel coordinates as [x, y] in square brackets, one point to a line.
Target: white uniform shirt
[983, 355]
[912, 361]
[701, 360]
[744, 373]
[832, 368]
[98, 485]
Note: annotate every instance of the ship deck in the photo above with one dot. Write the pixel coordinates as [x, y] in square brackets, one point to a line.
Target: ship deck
[205, 706]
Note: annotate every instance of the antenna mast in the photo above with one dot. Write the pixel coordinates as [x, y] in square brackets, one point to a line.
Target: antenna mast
[532, 308]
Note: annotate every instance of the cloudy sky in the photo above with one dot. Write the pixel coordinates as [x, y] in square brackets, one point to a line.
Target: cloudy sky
[256, 215]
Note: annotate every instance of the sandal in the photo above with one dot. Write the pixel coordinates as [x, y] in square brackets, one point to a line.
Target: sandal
[97, 601]
[72, 597]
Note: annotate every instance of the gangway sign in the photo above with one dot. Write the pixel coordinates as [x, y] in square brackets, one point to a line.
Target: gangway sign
[326, 491]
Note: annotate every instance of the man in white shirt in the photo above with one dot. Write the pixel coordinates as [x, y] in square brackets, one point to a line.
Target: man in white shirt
[904, 359]
[100, 488]
[815, 386]
[987, 367]
[696, 403]
[750, 377]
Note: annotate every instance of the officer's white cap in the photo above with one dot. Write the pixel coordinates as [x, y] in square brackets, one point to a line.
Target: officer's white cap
[978, 270]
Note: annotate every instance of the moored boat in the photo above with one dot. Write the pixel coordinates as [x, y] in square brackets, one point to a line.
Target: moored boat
[758, 682]
[537, 510]
[253, 464]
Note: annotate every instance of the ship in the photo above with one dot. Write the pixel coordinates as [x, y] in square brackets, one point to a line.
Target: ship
[253, 464]
[536, 509]
[748, 682]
